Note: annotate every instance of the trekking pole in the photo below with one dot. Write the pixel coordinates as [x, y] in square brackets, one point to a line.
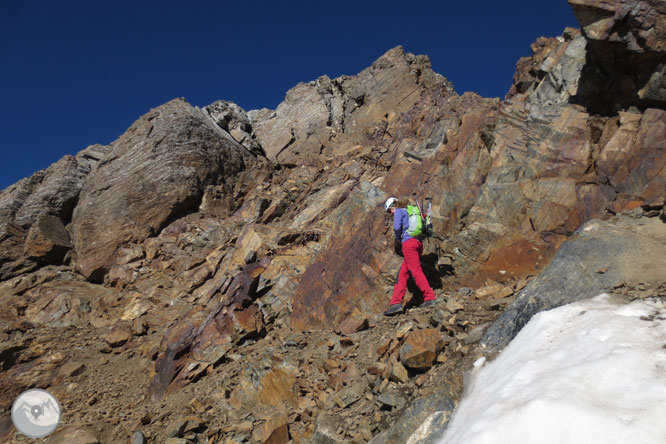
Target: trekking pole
[429, 200]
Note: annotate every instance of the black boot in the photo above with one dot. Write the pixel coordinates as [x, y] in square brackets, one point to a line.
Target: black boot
[394, 310]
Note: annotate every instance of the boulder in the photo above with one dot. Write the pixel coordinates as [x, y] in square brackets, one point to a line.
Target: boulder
[420, 348]
[119, 334]
[47, 239]
[156, 171]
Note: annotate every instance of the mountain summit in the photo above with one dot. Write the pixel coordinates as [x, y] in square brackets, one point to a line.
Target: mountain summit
[219, 275]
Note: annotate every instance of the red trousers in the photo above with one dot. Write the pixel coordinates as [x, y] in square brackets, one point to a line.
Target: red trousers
[411, 250]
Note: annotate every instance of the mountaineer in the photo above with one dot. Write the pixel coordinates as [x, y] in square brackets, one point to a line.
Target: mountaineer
[409, 229]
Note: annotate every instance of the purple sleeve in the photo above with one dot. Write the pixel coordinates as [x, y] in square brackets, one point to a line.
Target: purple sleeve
[398, 222]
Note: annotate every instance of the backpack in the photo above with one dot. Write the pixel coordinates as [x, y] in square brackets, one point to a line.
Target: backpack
[419, 226]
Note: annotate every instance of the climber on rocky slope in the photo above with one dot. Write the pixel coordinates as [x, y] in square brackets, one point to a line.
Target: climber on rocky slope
[407, 229]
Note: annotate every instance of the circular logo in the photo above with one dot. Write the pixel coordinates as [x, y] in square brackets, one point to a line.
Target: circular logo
[36, 413]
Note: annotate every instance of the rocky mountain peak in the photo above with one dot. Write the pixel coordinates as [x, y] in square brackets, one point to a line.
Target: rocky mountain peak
[326, 117]
[219, 275]
[154, 172]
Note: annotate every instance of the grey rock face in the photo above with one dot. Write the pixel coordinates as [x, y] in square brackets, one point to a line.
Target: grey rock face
[626, 53]
[601, 256]
[234, 120]
[327, 116]
[438, 404]
[156, 170]
[50, 192]
[11, 240]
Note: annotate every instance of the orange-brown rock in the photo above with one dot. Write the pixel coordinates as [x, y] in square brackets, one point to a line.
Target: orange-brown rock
[353, 324]
[47, 239]
[119, 334]
[493, 291]
[274, 431]
[420, 349]
[208, 253]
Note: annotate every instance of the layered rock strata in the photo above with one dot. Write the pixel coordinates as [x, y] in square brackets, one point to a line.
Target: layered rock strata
[212, 245]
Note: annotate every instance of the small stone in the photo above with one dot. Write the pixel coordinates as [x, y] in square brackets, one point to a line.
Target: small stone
[119, 334]
[273, 431]
[378, 368]
[384, 347]
[404, 329]
[398, 373]
[182, 426]
[438, 317]
[353, 324]
[139, 326]
[196, 406]
[244, 427]
[348, 395]
[364, 430]
[331, 364]
[137, 438]
[454, 306]
[384, 384]
[71, 369]
[73, 435]
[388, 399]
[494, 291]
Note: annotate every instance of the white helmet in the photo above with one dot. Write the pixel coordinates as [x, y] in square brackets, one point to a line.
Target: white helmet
[390, 201]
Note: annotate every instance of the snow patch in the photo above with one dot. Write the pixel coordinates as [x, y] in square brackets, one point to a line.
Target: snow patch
[588, 372]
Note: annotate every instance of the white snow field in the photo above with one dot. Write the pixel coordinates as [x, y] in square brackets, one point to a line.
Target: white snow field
[592, 372]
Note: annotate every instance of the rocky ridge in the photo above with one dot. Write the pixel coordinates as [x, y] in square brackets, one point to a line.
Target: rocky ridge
[216, 275]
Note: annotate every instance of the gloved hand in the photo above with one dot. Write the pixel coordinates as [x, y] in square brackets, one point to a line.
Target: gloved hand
[397, 247]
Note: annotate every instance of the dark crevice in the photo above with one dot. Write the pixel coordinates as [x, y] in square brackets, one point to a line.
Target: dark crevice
[9, 357]
[612, 77]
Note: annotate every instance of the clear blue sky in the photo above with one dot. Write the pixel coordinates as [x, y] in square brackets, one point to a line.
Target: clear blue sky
[75, 73]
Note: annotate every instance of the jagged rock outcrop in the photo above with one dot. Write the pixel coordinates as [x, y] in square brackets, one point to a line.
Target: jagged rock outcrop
[327, 117]
[626, 63]
[236, 264]
[155, 171]
[50, 192]
[234, 120]
[47, 239]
